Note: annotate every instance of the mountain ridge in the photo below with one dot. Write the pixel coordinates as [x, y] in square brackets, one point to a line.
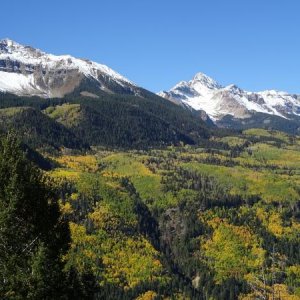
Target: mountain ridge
[27, 71]
[111, 111]
[204, 93]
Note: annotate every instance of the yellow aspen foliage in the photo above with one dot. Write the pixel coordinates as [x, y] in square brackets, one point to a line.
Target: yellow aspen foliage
[71, 175]
[130, 261]
[295, 270]
[103, 218]
[277, 291]
[273, 222]
[233, 252]
[79, 235]
[66, 209]
[293, 276]
[85, 163]
[215, 222]
[81, 254]
[281, 292]
[149, 295]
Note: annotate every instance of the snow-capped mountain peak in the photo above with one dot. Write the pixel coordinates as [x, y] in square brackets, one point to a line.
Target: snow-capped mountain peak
[28, 71]
[204, 93]
[201, 78]
[195, 93]
[7, 45]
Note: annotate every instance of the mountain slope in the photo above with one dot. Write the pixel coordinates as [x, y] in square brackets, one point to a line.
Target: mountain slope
[110, 120]
[128, 126]
[217, 101]
[37, 130]
[117, 120]
[27, 71]
[112, 111]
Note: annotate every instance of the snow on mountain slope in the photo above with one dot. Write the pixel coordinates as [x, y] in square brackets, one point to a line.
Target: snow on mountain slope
[203, 93]
[28, 71]
[14, 82]
[195, 93]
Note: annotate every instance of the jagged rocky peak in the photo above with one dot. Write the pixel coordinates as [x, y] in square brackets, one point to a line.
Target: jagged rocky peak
[206, 81]
[6, 45]
[204, 93]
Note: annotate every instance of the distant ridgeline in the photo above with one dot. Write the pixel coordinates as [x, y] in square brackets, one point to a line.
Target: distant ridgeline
[233, 107]
[59, 101]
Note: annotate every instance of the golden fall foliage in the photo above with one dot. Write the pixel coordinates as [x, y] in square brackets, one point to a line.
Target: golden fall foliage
[233, 251]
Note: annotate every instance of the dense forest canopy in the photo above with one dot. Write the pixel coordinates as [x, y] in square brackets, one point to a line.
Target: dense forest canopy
[214, 221]
[116, 121]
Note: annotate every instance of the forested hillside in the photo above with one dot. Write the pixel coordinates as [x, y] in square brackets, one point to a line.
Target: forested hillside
[116, 121]
[188, 222]
[155, 203]
[38, 130]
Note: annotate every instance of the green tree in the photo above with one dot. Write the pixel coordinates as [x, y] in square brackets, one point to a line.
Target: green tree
[233, 251]
[33, 236]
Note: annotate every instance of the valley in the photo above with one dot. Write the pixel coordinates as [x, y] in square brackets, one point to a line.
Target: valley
[186, 222]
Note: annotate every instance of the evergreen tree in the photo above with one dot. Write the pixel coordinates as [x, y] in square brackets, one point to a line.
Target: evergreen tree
[33, 236]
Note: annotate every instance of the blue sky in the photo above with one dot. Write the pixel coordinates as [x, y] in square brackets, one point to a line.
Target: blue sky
[156, 43]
